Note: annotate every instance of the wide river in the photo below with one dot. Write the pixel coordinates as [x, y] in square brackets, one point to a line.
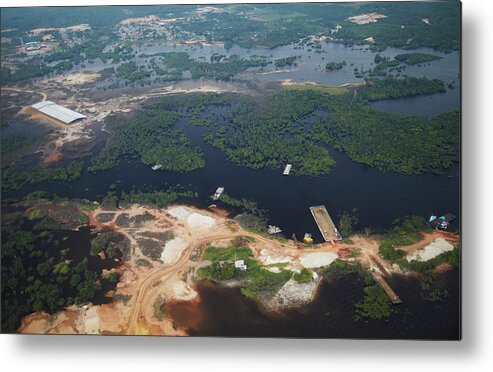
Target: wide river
[377, 197]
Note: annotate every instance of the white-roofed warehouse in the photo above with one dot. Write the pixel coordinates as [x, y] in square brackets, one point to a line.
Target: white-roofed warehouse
[58, 112]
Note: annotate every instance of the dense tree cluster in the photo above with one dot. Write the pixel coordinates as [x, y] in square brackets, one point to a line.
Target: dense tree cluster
[13, 177]
[415, 58]
[287, 61]
[332, 66]
[149, 137]
[37, 278]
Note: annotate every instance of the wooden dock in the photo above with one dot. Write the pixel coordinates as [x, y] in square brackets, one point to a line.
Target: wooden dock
[378, 272]
[387, 288]
[325, 223]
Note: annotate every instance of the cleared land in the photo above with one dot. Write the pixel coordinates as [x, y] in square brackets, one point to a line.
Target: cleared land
[334, 90]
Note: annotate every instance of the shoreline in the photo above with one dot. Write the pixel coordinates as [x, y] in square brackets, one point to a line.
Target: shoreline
[177, 280]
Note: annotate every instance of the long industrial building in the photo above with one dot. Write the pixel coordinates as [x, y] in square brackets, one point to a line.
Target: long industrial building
[58, 112]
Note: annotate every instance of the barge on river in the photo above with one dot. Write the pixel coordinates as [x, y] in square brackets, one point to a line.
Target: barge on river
[325, 224]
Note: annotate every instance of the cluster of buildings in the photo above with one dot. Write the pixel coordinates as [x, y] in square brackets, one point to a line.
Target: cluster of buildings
[151, 27]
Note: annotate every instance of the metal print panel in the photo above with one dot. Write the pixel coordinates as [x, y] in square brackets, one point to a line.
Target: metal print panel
[243, 170]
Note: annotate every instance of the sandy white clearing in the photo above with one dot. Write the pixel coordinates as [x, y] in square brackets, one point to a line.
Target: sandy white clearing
[363, 19]
[172, 250]
[318, 259]
[435, 248]
[76, 78]
[90, 321]
[268, 258]
[294, 294]
[199, 221]
[182, 291]
[179, 212]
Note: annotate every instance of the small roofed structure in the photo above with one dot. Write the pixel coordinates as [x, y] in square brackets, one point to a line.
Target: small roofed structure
[240, 264]
[58, 112]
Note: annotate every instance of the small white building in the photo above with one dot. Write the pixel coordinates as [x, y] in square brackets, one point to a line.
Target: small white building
[240, 264]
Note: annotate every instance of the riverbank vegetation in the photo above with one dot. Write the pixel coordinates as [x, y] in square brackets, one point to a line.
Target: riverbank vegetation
[249, 206]
[375, 305]
[41, 270]
[160, 199]
[406, 231]
[13, 177]
[427, 267]
[255, 281]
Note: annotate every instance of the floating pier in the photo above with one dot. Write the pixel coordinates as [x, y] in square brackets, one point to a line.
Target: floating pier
[325, 224]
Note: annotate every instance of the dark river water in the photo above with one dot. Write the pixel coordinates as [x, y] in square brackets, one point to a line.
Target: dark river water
[226, 312]
[378, 198]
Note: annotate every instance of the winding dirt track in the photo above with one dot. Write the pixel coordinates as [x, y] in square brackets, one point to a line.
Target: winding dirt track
[44, 95]
[147, 288]
[163, 274]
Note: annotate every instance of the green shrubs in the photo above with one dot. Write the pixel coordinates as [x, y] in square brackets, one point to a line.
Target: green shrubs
[255, 281]
[375, 305]
[406, 231]
[225, 254]
[304, 276]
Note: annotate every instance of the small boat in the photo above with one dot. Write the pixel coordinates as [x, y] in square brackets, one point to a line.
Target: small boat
[156, 167]
[308, 238]
[218, 193]
[287, 169]
[273, 230]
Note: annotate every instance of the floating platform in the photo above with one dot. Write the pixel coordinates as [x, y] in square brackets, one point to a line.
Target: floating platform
[325, 224]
